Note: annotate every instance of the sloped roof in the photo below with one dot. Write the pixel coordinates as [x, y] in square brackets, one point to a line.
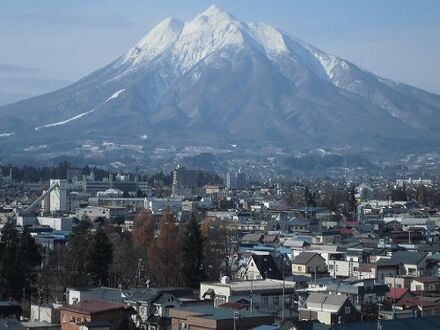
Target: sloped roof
[252, 238]
[267, 267]
[93, 306]
[304, 257]
[407, 257]
[320, 301]
[427, 279]
[396, 293]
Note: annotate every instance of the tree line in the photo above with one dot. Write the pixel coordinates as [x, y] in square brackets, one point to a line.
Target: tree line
[159, 254]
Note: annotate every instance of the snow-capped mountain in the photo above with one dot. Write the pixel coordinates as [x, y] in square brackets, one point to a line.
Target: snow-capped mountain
[215, 82]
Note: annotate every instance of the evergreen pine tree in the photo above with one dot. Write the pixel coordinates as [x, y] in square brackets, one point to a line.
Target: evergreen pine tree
[10, 279]
[27, 258]
[76, 255]
[352, 201]
[19, 255]
[192, 253]
[99, 258]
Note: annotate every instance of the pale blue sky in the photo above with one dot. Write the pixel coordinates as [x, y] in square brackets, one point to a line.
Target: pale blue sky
[53, 42]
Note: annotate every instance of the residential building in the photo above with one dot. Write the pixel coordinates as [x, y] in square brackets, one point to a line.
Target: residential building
[198, 317]
[309, 264]
[261, 295]
[426, 283]
[328, 309]
[74, 317]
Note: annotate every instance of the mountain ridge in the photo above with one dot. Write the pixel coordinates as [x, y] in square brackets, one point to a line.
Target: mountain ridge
[215, 81]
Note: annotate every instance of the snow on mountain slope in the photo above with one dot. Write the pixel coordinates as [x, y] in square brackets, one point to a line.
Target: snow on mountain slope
[217, 81]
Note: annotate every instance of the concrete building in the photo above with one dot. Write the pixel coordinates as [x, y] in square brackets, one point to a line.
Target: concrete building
[184, 178]
[261, 295]
[56, 223]
[236, 180]
[209, 318]
[84, 315]
[58, 197]
[107, 212]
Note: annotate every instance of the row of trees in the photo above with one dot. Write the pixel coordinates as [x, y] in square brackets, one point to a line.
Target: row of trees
[181, 255]
[165, 255]
[160, 254]
[336, 198]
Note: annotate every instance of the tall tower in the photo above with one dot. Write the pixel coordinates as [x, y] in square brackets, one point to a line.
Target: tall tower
[58, 196]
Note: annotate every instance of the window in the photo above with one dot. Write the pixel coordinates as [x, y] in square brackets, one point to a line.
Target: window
[276, 300]
[265, 299]
[330, 267]
[347, 310]
[299, 268]
[218, 300]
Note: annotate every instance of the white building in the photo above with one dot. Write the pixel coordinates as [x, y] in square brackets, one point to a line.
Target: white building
[261, 294]
[58, 197]
[56, 223]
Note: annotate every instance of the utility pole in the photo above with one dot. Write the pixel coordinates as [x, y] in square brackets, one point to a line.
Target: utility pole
[379, 326]
[282, 312]
[236, 317]
[252, 295]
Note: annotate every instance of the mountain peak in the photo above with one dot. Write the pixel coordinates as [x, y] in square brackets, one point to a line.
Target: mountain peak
[160, 38]
[212, 10]
[214, 81]
[214, 15]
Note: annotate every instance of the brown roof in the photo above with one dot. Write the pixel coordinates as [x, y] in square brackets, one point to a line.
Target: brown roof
[427, 279]
[93, 306]
[233, 305]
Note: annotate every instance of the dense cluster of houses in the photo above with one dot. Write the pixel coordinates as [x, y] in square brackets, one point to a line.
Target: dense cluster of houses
[292, 268]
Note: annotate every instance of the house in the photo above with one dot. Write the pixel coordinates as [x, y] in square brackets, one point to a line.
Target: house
[328, 309]
[395, 294]
[260, 266]
[309, 264]
[424, 306]
[328, 237]
[87, 313]
[386, 267]
[411, 263]
[360, 291]
[298, 225]
[203, 317]
[262, 295]
[426, 283]
[252, 238]
[152, 305]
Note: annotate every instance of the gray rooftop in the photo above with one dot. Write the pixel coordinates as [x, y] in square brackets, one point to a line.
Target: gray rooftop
[304, 257]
